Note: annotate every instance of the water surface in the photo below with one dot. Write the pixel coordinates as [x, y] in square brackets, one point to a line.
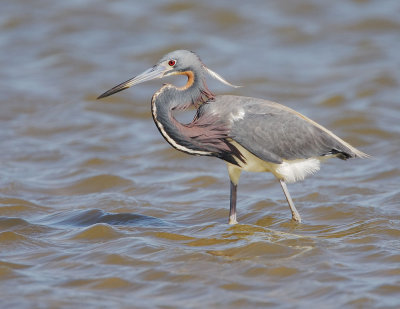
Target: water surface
[97, 210]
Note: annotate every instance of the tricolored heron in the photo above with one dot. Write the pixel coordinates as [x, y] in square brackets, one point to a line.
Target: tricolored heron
[250, 134]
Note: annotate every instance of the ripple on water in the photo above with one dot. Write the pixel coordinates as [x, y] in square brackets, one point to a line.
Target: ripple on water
[97, 232]
[117, 259]
[280, 271]
[374, 25]
[8, 273]
[96, 210]
[19, 233]
[98, 183]
[10, 206]
[10, 270]
[15, 242]
[259, 249]
[108, 283]
[95, 216]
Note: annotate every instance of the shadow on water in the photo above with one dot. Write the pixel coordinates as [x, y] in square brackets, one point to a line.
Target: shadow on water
[95, 216]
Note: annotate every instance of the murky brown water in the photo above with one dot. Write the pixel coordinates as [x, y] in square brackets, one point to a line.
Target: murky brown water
[96, 210]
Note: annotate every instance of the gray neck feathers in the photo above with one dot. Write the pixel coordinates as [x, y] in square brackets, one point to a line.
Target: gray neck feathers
[170, 98]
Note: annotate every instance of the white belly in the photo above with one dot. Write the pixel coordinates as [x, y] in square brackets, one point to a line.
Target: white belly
[289, 170]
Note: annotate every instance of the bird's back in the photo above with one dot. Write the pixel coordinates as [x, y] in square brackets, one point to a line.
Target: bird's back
[274, 132]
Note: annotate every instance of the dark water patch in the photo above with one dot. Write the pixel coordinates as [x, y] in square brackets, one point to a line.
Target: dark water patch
[132, 219]
[97, 216]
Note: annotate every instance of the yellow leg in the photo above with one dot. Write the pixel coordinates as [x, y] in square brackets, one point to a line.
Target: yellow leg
[295, 214]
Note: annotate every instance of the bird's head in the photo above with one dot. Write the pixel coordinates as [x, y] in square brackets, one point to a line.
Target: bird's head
[178, 62]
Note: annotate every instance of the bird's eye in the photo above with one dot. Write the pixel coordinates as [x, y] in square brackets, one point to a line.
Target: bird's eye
[171, 63]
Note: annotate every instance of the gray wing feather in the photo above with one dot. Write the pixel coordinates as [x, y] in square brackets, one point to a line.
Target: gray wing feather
[274, 137]
[273, 132]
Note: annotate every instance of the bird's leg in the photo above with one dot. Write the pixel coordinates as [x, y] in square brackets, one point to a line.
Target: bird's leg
[234, 175]
[295, 214]
[232, 209]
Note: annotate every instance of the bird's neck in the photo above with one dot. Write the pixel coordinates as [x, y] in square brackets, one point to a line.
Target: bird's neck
[170, 98]
[206, 135]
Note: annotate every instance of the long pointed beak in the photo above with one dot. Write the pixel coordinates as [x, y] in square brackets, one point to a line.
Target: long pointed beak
[157, 71]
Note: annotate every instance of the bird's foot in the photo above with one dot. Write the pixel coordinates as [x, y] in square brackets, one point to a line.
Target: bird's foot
[232, 220]
[296, 217]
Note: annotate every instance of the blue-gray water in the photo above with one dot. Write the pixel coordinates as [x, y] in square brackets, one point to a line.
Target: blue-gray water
[97, 210]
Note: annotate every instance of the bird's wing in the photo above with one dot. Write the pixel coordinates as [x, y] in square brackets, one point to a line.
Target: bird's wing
[274, 132]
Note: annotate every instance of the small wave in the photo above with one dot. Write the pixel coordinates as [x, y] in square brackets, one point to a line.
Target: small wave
[98, 231]
[97, 183]
[96, 216]
[100, 283]
[16, 206]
